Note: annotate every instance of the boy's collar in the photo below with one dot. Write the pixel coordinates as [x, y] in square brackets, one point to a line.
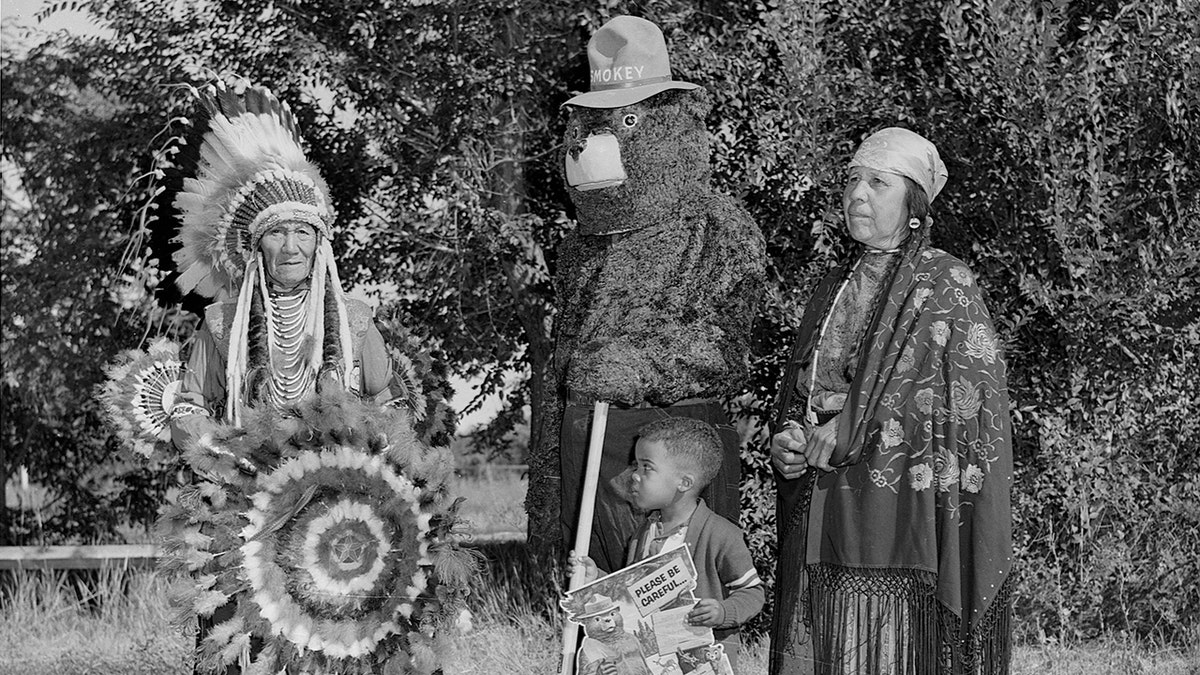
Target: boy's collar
[656, 516]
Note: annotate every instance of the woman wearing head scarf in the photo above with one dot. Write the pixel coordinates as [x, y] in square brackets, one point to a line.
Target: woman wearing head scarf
[893, 447]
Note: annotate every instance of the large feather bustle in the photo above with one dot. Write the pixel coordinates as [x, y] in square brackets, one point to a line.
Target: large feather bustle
[249, 141]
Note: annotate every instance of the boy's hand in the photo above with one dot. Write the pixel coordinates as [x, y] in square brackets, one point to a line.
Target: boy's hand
[590, 571]
[706, 612]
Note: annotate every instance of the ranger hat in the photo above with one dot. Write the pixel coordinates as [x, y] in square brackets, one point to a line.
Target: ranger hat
[598, 605]
[628, 63]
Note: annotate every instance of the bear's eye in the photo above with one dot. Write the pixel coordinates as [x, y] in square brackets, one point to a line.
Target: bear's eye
[630, 121]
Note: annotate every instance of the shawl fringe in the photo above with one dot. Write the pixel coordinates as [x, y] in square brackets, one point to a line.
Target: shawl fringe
[890, 621]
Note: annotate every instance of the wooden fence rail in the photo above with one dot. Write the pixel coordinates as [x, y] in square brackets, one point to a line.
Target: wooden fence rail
[135, 556]
[146, 555]
[77, 557]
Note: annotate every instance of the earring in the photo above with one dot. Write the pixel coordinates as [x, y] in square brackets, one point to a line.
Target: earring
[914, 223]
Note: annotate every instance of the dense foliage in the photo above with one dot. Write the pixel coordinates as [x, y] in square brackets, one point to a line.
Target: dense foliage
[1071, 130]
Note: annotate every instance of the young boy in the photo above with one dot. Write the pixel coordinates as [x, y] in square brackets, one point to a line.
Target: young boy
[674, 459]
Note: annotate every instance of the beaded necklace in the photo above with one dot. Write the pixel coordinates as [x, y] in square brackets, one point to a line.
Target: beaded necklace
[291, 374]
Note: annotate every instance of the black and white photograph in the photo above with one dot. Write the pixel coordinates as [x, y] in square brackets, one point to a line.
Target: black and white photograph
[604, 337]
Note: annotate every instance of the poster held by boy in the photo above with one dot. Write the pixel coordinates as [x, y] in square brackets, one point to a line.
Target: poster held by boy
[636, 621]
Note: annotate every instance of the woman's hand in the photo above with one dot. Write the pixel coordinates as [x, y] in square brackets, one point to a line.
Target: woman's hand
[787, 451]
[821, 444]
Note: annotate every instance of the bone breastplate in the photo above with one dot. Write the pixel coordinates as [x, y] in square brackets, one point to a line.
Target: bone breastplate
[292, 376]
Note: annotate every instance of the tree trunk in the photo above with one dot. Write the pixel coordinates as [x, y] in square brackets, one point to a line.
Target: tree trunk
[544, 494]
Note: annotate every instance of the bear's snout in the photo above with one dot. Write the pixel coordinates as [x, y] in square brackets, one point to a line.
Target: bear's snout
[594, 162]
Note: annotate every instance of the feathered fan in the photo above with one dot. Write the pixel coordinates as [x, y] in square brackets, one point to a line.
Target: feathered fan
[139, 394]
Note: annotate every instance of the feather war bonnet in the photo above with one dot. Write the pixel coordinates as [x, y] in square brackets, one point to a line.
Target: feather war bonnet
[250, 174]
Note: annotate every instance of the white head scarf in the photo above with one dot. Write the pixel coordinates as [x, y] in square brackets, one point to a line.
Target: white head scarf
[906, 153]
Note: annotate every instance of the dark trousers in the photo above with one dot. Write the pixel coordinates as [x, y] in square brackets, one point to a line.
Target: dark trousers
[615, 521]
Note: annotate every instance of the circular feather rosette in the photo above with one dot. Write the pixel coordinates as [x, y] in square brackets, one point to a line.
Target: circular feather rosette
[323, 539]
[335, 549]
[139, 395]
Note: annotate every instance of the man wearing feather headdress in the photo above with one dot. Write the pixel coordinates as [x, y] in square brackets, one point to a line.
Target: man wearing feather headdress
[319, 534]
[255, 236]
[254, 220]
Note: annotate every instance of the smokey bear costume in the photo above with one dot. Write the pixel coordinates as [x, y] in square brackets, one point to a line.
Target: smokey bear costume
[658, 284]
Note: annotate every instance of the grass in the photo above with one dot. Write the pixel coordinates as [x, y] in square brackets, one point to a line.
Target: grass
[118, 621]
[495, 501]
[113, 621]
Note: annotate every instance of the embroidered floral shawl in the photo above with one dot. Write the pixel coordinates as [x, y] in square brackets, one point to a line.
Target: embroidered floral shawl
[926, 457]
